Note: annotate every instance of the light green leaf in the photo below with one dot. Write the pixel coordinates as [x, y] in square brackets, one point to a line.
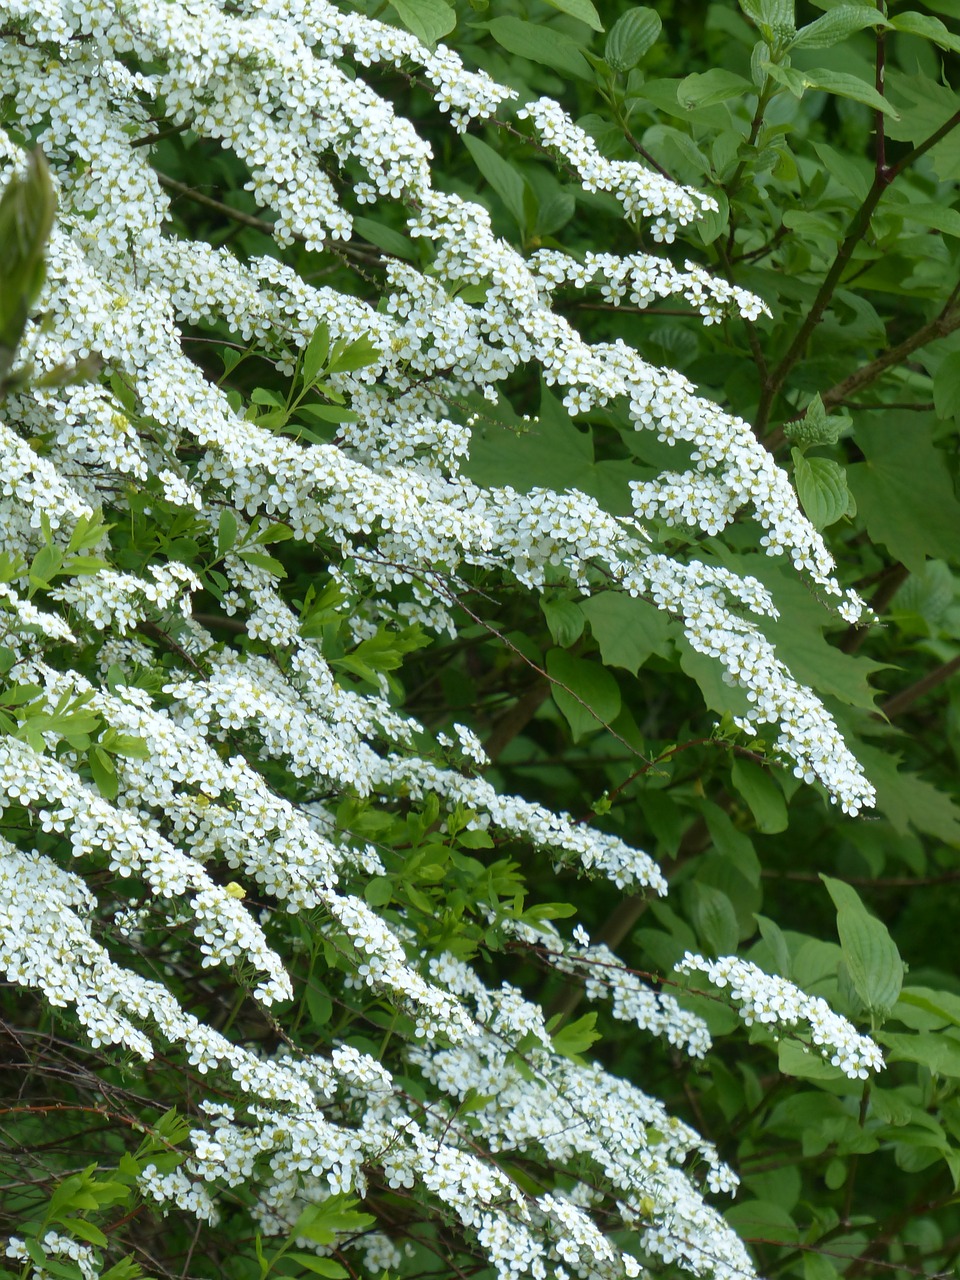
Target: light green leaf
[319, 1266]
[804, 1062]
[836, 25]
[707, 88]
[576, 1037]
[315, 354]
[921, 24]
[630, 37]
[822, 489]
[428, 20]
[540, 44]
[870, 954]
[587, 694]
[502, 176]
[583, 10]
[226, 531]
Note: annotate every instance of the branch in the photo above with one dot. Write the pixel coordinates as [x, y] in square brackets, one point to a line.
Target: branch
[900, 701]
[944, 323]
[855, 233]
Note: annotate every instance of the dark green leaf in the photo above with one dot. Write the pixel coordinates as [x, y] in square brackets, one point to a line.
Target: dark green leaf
[501, 175]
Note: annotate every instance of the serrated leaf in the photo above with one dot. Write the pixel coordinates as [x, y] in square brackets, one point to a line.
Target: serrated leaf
[837, 25]
[428, 20]
[630, 37]
[870, 954]
[576, 1037]
[628, 631]
[904, 489]
[822, 488]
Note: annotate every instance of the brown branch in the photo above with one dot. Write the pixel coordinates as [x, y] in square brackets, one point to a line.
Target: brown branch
[856, 231]
[867, 882]
[906, 697]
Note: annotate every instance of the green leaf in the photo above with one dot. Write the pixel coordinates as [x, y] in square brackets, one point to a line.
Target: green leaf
[348, 356]
[713, 917]
[319, 1266]
[927, 28]
[904, 490]
[796, 1059]
[84, 1230]
[583, 10]
[842, 85]
[764, 1220]
[822, 489]
[772, 935]
[226, 531]
[946, 386]
[323, 1222]
[262, 561]
[502, 176]
[938, 1051]
[628, 631]
[587, 694]
[707, 88]
[428, 20]
[540, 44]
[630, 37]
[315, 354]
[870, 954]
[27, 209]
[837, 25]
[761, 793]
[104, 772]
[576, 1037]
[564, 620]
[385, 238]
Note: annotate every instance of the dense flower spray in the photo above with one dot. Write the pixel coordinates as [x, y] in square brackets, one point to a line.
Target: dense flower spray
[226, 761]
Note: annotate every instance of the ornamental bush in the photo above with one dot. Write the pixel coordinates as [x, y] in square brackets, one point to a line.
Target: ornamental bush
[454, 462]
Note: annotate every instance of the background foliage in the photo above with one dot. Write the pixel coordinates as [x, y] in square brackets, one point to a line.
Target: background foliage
[834, 157]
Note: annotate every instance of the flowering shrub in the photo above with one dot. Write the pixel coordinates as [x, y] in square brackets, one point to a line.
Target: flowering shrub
[277, 926]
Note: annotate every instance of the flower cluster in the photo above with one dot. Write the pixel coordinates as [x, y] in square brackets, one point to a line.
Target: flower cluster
[769, 1000]
[218, 759]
